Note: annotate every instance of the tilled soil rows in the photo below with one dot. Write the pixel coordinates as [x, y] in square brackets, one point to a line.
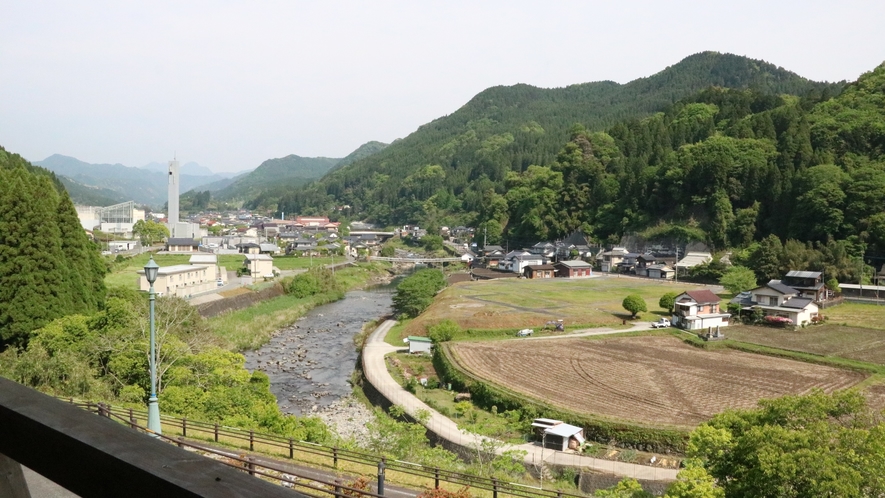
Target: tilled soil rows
[647, 380]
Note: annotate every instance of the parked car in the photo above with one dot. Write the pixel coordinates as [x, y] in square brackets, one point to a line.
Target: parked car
[525, 333]
[660, 324]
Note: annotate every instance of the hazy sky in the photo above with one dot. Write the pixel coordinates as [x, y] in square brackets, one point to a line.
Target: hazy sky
[229, 84]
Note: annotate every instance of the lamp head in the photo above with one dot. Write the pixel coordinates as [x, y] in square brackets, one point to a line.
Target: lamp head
[150, 271]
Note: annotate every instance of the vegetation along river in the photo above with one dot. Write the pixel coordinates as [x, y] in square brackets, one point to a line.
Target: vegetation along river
[310, 362]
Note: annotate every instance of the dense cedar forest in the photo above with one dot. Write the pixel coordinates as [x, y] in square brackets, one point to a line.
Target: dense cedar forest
[48, 266]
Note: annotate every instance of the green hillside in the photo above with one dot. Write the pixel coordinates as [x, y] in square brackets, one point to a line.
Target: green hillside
[454, 161]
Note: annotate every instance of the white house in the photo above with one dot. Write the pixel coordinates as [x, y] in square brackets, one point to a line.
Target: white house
[778, 299]
[698, 310]
[259, 265]
[210, 261]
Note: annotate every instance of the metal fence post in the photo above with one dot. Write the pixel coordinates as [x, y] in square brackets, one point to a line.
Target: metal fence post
[251, 440]
[216, 432]
[184, 427]
[381, 477]
[335, 456]
[494, 487]
[291, 449]
[436, 478]
[251, 465]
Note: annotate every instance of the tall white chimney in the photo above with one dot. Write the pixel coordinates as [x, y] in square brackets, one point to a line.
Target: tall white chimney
[173, 197]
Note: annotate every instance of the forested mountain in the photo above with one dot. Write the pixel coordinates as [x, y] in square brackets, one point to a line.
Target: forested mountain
[448, 166]
[48, 266]
[139, 185]
[189, 168]
[91, 196]
[276, 177]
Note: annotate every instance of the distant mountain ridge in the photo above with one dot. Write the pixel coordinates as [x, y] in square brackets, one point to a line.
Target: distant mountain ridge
[276, 176]
[508, 128]
[188, 168]
[140, 185]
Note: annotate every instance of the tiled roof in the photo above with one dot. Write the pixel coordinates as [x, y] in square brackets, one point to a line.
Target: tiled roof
[703, 296]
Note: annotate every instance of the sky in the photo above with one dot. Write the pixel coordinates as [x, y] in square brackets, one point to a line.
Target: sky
[229, 84]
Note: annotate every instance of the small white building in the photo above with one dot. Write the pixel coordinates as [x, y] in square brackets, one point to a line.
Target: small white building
[210, 261]
[419, 344]
[557, 435]
[259, 265]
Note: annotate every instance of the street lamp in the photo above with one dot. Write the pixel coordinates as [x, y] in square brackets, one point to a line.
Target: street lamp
[150, 272]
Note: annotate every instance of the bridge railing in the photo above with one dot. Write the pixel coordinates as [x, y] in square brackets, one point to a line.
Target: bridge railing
[308, 452]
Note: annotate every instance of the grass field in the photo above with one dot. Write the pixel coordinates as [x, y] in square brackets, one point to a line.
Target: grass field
[519, 303]
[652, 381]
[857, 315]
[854, 343]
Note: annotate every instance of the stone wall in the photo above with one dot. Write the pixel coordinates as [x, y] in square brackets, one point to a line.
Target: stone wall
[240, 301]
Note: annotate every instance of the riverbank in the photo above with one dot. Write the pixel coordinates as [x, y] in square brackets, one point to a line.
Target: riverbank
[250, 328]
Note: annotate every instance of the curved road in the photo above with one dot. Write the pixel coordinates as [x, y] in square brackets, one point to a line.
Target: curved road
[376, 372]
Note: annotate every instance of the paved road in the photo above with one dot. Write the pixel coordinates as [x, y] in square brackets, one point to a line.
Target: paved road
[376, 372]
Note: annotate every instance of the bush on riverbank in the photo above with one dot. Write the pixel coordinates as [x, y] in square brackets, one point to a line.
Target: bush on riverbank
[415, 293]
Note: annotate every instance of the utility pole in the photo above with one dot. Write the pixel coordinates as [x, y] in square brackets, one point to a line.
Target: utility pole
[484, 233]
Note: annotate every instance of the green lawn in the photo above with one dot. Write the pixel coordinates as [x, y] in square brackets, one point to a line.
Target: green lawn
[520, 303]
[857, 315]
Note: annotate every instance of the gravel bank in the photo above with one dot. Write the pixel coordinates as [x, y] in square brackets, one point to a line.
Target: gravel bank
[348, 418]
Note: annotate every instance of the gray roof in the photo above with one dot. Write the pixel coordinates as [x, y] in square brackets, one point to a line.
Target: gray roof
[797, 302]
[804, 274]
[182, 241]
[781, 287]
[575, 263]
[564, 430]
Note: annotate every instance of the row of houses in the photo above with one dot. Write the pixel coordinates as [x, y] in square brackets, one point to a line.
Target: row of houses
[796, 297]
[657, 265]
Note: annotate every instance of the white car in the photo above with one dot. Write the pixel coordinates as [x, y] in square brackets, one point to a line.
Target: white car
[663, 323]
[525, 333]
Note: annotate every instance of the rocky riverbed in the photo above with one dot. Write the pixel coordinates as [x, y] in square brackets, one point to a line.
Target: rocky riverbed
[311, 362]
[348, 418]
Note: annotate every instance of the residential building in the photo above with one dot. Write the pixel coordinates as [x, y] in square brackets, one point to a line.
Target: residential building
[660, 271]
[693, 259]
[778, 299]
[644, 261]
[810, 284]
[259, 265]
[181, 244]
[210, 261]
[698, 310]
[608, 260]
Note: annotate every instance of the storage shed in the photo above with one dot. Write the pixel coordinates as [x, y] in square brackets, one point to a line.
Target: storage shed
[419, 344]
[557, 435]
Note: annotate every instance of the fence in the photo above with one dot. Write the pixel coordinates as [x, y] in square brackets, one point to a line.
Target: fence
[330, 457]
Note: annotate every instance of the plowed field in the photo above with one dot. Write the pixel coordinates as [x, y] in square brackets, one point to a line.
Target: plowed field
[646, 380]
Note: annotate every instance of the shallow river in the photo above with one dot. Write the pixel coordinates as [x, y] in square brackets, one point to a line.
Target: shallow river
[310, 363]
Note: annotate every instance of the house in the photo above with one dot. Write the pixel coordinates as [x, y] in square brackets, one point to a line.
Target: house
[419, 344]
[249, 248]
[698, 310]
[609, 260]
[180, 280]
[545, 249]
[573, 269]
[181, 244]
[259, 265]
[122, 245]
[644, 261]
[693, 259]
[660, 271]
[516, 261]
[539, 271]
[628, 264]
[268, 249]
[780, 300]
[493, 255]
[809, 284]
[557, 435]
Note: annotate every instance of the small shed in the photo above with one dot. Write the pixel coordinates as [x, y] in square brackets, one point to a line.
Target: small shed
[557, 435]
[419, 344]
[539, 271]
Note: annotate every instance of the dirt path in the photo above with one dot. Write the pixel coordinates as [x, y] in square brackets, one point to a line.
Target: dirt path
[376, 373]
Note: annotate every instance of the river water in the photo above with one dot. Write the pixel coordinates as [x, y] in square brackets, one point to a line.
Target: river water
[310, 363]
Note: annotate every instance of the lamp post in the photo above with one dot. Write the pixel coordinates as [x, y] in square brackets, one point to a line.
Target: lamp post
[150, 272]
